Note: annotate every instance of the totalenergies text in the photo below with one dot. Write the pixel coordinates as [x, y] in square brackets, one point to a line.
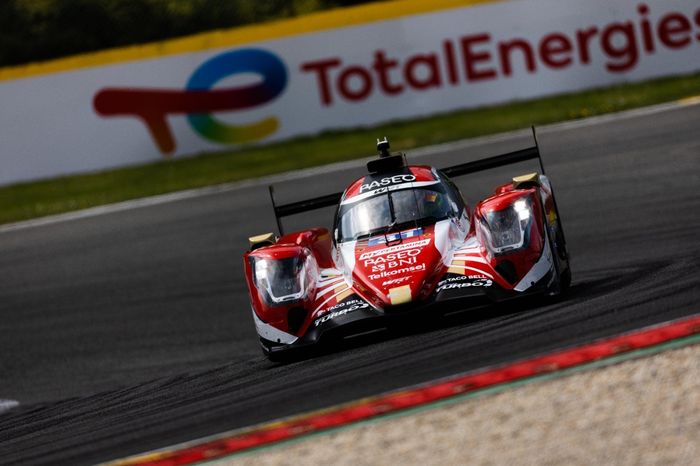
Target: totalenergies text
[477, 57]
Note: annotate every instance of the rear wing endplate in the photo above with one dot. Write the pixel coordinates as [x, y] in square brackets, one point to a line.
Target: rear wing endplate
[530, 153]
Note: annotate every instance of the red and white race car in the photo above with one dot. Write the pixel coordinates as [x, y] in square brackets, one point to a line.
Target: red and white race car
[404, 242]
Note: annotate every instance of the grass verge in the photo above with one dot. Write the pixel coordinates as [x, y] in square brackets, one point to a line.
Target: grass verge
[39, 198]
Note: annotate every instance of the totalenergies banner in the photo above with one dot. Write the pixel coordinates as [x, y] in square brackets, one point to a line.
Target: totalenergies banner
[340, 69]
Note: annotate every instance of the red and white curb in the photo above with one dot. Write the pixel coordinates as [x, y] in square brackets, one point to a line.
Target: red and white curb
[241, 440]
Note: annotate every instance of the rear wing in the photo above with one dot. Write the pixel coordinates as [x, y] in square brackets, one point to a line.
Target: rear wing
[529, 153]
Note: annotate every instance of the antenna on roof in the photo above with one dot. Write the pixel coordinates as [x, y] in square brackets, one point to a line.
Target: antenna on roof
[383, 147]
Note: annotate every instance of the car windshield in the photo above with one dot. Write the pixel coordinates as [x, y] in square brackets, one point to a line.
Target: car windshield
[393, 209]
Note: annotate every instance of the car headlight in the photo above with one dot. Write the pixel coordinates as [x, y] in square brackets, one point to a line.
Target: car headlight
[281, 281]
[508, 229]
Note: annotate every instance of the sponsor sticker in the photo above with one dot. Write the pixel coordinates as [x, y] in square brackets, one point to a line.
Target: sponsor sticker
[396, 281]
[393, 260]
[394, 272]
[470, 281]
[394, 249]
[375, 240]
[388, 181]
[340, 309]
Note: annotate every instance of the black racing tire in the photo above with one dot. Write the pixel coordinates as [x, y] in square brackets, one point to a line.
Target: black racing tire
[560, 256]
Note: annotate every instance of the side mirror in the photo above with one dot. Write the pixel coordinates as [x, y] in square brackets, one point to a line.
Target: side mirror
[258, 241]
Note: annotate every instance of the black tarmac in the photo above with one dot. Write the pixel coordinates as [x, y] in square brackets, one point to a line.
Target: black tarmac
[131, 331]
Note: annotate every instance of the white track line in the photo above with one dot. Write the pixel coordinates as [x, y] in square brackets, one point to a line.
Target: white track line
[6, 405]
[335, 167]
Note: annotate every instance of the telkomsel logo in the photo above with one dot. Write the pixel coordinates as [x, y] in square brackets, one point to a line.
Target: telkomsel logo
[198, 100]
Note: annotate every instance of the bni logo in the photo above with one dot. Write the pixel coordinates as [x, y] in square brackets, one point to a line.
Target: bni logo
[199, 100]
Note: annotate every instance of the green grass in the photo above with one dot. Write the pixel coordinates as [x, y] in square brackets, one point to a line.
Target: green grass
[35, 199]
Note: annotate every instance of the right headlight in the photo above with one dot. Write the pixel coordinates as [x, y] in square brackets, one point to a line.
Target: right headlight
[508, 229]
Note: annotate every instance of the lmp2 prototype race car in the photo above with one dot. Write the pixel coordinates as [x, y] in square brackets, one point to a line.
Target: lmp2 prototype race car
[404, 242]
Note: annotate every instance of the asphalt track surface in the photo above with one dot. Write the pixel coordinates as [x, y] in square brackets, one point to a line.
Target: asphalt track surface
[131, 331]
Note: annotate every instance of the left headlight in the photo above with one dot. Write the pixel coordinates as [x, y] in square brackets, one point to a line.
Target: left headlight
[281, 281]
[508, 229]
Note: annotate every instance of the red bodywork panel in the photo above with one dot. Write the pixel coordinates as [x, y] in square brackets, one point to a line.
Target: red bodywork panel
[414, 262]
[525, 258]
[315, 242]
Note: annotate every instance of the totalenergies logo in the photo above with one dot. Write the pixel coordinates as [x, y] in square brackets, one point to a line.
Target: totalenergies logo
[198, 100]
